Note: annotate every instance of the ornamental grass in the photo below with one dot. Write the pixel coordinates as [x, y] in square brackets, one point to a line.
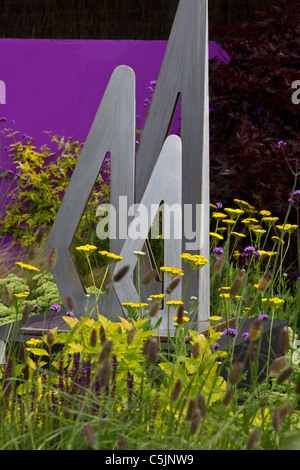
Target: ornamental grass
[108, 385]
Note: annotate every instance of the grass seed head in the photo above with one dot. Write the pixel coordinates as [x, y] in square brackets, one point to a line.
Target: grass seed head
[195, 421]
[265, 281]
[121, 273]
[176, 390]
[173, 285]
[7, 296]
[25, 314]
[52, 258]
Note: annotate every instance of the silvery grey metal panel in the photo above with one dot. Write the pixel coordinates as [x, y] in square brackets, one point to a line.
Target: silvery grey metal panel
[164, 185]
[184, 71]
[113, 130]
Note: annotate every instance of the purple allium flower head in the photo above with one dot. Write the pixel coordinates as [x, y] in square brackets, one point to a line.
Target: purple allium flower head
[296, 193]
[257, 253]
[153, 82]
[263, 317]
[35, 308]
[219, 205]
[246, 335]
[230, 332]
[70, 314]
[55, 307]
[281, 143]
[215, 346]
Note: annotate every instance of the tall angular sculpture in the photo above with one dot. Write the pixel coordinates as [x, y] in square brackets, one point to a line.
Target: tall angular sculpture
[184, 72]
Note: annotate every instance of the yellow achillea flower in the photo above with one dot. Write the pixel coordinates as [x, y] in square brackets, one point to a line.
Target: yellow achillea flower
[156, 296]
[216, 235]
[21, 294]
[236, 254]
[213, 206]
[277, 239]
[183, 319]
[265, 213]
[238, 235]
[249, 221]
[174, 303]
[259, 231]
[228, 221]
[215, 318]
[274, 301]
[270, 220]
[218, 215]
[225, 296]
[196, 261]
[234, 212]
[86, 247]
[267, 253]
[224, 288]
[287, 227]
[172, 271]
[243, 204]
[110, 256]
[133, 305]
[27, 266]
[33, 342]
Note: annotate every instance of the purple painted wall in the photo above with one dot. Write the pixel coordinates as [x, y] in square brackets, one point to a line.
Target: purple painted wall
[57, 85]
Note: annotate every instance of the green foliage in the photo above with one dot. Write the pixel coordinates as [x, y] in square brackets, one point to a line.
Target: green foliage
[43, 176]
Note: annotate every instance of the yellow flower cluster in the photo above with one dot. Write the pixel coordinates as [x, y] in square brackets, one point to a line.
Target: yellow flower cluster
[216, 235]
[234, 212]
[270, 220]
[21, 294]
[194, 260]
[184, 319]
[86, 247]
[274, 301]
[174, 303]
[110, 256]
[287, 227]
[27, 266]
[174, 271]
[133, 305]
[156, 296]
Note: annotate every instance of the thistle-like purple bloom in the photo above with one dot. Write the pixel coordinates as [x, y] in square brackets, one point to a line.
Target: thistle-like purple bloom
[246, 335]
[215, 346]
[263, 317]
[281, 143]
[218, 251]
[230, 332]
[55, 307]
[219, 205]
[35, 308]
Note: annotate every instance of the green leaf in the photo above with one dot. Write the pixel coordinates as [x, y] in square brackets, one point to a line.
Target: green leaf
[39, 351]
